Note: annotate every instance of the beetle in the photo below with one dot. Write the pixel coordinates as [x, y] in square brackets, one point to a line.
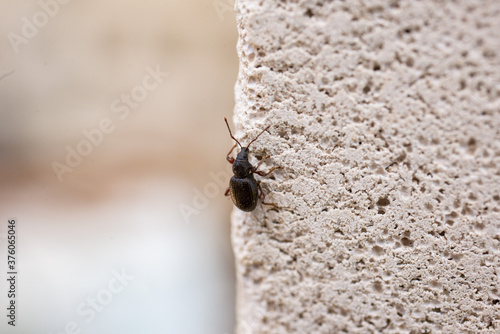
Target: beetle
[243, 187]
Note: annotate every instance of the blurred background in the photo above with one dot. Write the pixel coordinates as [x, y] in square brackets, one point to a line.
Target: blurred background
[115, 170]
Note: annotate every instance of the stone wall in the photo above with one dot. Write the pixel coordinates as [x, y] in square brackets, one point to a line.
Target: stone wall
[385, 117]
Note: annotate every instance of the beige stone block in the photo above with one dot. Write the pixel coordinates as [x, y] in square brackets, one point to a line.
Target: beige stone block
[385, 116]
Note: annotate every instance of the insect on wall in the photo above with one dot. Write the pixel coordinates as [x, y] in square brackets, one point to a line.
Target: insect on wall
[244, 189]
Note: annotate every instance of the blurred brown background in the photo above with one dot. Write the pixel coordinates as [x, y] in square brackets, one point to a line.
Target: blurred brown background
[65, 68]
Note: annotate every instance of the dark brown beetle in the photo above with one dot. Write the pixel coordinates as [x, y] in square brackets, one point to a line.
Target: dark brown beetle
[243, 187]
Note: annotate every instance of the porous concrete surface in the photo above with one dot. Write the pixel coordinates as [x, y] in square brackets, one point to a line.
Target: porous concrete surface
[385, 116]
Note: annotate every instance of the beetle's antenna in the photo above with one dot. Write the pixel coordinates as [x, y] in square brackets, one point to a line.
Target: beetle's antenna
[258, 136]
[231, 133]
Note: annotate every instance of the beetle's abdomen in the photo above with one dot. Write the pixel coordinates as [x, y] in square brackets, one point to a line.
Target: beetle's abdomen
[244, 192]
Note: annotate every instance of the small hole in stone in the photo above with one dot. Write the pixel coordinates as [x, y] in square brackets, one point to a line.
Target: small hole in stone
[377, 286]
[489, 54]
[435, 284]
[401, 157]
[394, 3]
[309, 13]
[472, 145]
[462, 84]
[383, 201]
[407, 242]
[282, 133]
[378, 250]
[466, 210]
[367, 88]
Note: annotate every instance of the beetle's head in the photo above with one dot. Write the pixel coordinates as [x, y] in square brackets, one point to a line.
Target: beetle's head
[243, 155]
[241, 167]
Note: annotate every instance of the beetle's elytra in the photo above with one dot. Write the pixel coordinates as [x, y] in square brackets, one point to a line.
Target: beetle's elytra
[243, 187]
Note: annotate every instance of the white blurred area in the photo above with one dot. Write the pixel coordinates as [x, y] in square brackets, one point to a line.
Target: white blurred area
[119, 208]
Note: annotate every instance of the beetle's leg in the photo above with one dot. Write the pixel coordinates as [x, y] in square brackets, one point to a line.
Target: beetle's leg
[227, 192]
[261, 173]
[262, 196]
[254, 169]
[229, 158]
